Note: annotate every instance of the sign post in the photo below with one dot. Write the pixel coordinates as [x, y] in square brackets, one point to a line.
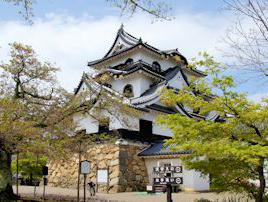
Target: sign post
[17, 175]
[45, 173]
[85, 167]
[166, 177]
[169, 191]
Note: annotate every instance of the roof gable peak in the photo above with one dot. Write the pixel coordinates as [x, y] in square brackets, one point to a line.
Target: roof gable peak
[123, 40]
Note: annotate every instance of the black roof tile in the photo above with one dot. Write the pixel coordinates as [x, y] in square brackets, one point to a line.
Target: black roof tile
[160, 149]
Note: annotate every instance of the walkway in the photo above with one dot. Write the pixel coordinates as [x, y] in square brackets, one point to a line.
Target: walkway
[126, 196]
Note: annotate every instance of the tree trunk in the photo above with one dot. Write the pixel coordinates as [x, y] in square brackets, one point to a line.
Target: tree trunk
[259, 196]
[6, 191]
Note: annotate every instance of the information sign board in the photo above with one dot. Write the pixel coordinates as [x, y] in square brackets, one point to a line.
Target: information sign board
[85, 167]
[168, 169]
[168, 180]
[102, 176]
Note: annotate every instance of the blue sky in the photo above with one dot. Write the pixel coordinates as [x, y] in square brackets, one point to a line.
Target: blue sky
[69, 33]
[100, 8]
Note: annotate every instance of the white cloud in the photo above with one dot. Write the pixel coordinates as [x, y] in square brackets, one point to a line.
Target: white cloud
[257, 97]
[71, 42]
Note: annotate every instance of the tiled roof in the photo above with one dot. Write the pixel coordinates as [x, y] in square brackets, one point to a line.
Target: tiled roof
[160, 149]
[133, 42]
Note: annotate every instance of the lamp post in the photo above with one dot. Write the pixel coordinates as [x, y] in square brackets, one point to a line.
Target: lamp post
[85, 167]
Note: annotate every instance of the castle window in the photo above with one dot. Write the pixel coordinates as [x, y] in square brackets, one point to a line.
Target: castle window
[129, 61]
[146, 127]
[104, 125]
[156, 66]
[128, 91]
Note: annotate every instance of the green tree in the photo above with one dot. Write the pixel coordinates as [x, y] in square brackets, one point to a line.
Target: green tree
[29, 167]
[32, 111]
[233, 149]
[37, 114]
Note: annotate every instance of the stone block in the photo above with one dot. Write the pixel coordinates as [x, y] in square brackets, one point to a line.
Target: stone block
[114, 174]
[123, 155]
[114, 162]
[114, 181]
[102, 164]
[121, 188]
[136, 168]
[116, 154]
[114, 188]
[129, 189]
[122, 167]
[100, 157]
[109, 156]
[139, 178]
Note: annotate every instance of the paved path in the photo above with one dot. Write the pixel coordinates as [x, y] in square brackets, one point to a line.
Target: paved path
[126, 196]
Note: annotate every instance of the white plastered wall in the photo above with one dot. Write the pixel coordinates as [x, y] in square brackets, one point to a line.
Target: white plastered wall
[157, 129]
[117, 121]
[134, 124]
[144, 55]
[124, 121]
[85, 122]
[139, 82]
[177, 81]
[192, 180]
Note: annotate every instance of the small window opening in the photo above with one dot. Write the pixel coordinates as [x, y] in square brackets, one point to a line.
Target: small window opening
[128, 91]
[156, 66]
[129, 61]
[146, 127]
[104, 125]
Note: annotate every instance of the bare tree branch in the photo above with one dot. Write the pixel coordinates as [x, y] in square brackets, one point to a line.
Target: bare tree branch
[248, 37]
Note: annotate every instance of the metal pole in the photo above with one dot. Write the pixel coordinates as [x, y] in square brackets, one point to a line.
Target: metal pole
[79, 168]
[169, 198]
[36, 173]
[108, 180]
[97, 187]
[85, 176]
[17, 174]
[44, 190]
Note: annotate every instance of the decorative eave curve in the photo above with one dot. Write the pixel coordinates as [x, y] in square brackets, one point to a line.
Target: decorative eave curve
[140, 67]
[140, 44]
[97, 87]
[195, 72]
[124, 36]
[97, 62]
[76, 90]
[180, 108]
[147, 70]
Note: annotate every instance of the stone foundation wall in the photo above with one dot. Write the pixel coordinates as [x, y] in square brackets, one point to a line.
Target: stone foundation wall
[132, 170]
[127, 172]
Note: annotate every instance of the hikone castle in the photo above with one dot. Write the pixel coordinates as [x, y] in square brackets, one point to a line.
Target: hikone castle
[137, 72]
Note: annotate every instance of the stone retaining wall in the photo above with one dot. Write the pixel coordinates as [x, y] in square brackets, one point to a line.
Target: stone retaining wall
[127, 172]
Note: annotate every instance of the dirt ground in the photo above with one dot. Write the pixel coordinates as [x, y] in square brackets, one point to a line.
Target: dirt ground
[128, 196]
